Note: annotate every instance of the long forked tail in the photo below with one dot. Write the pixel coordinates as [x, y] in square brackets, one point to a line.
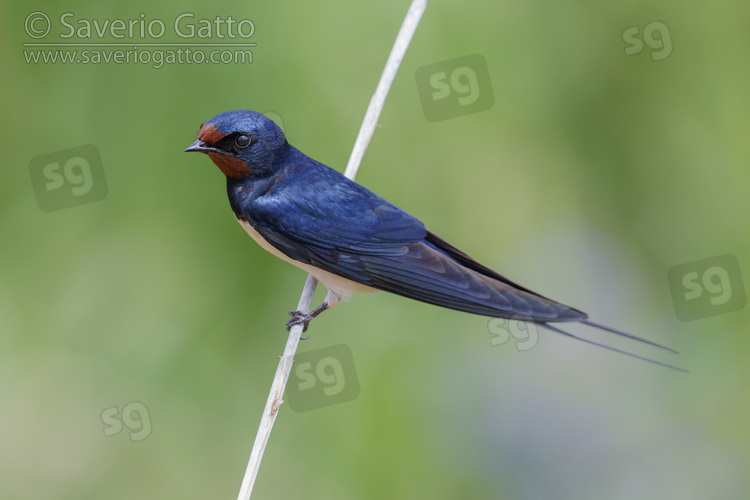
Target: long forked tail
[615, 349]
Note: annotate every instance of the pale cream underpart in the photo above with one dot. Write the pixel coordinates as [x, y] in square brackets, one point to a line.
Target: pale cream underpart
[338, 288]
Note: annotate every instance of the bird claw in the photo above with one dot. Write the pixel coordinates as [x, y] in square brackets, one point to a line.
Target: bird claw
[299, 318]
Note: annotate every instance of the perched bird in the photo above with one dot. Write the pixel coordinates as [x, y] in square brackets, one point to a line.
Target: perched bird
[351, 239]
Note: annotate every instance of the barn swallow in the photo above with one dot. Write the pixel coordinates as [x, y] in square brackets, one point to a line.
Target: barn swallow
[351, 239]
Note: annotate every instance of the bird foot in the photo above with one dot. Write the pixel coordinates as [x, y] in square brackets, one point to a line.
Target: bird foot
[299, 318]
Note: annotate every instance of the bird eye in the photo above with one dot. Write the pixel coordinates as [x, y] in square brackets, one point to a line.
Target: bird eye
[242, 141]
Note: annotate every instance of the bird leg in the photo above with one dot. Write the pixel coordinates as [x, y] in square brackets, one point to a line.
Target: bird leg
[300, 318]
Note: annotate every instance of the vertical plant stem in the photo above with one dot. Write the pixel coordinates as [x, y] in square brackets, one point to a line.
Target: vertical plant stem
[405, 34]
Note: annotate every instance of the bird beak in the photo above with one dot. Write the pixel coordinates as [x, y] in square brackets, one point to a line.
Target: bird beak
[199, 146]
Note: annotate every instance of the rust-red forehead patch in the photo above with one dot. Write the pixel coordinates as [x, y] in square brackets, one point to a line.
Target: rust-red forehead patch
[208, 133]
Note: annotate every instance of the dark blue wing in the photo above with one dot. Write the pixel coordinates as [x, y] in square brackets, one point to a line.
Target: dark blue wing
[341, 227]
[315, 205]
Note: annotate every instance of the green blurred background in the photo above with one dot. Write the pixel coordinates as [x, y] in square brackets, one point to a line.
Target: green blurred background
[592, 175]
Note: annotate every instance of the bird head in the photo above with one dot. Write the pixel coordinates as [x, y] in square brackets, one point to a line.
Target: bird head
[240, 143]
